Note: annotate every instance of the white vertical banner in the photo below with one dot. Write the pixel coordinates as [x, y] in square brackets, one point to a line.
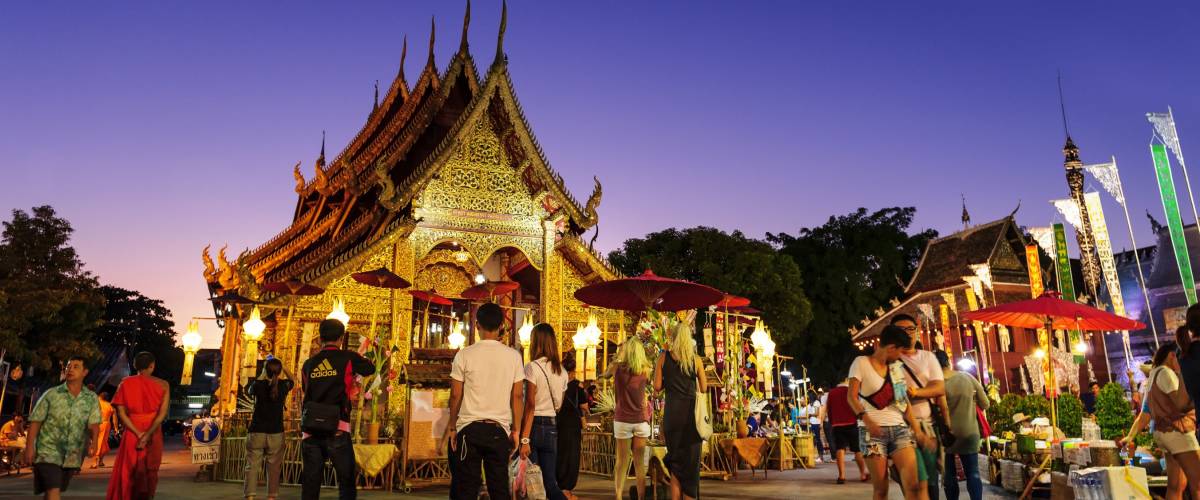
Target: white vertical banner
[1108, 264]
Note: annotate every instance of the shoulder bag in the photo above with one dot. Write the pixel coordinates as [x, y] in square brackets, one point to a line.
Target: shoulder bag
[702, 415]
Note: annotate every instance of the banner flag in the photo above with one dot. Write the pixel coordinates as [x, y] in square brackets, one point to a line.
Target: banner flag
[1044, 236]
[1034, 262]
[1070, 211]
[945, 313]
[1066, 283]
[1110, 178]
[1108, 264]
[1166, 188]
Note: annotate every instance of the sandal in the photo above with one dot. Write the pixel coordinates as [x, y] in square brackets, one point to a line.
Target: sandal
[841, 480]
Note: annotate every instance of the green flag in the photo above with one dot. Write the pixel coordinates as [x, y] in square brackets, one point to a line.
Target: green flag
[1166, 188]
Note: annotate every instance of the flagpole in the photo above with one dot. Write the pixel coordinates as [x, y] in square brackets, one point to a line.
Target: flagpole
[1137, 259]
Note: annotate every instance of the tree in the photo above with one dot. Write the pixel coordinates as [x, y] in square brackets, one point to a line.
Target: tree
[140, 323]
[48, 302]
[852, 264]
[729, 262]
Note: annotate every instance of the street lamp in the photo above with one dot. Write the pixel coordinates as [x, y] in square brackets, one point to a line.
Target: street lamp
[339, 312]
[252, 331]
[456, 337]
[525, 333]
[191, 344]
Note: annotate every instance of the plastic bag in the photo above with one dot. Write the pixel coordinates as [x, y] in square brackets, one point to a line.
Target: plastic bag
[526, 480]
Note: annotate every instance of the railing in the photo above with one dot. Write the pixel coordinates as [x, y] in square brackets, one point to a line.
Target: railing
[232, 465]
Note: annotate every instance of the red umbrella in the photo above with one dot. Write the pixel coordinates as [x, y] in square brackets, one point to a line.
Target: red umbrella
[733, 302]
[489, 289]
[293, 287]
[430, 297]
[1050, 310]
[649, 292]
[381, 278]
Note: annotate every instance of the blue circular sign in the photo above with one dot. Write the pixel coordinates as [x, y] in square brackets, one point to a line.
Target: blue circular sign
[206, 432]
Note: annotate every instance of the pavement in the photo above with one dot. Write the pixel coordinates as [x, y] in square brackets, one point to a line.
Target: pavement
[177, 481]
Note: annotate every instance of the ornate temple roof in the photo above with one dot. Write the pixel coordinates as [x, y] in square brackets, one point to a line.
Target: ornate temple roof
[946, 260]
[367, 190]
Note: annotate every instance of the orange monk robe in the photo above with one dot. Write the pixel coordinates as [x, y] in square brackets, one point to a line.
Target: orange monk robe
[106, 418]
[135, 473]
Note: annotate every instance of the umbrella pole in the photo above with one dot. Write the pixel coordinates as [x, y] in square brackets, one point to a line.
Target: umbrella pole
[1053, 383]
[1107, 363]
[294, 353]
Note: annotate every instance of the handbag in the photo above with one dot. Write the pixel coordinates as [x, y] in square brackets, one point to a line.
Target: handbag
[319, 417]
[703, 418]
[985, 429]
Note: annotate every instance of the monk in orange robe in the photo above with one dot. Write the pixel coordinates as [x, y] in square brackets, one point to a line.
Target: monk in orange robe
[142, 402]
[107, 418]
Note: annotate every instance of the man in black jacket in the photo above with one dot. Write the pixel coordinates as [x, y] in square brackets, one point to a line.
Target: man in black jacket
[328, 378]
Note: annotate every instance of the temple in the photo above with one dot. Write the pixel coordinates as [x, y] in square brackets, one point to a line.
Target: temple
[446, 186]
[944, 286]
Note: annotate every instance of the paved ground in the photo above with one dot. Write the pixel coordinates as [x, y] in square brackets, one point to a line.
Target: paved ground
[177, 483]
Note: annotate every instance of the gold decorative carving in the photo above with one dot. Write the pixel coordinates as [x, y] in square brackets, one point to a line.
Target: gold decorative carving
[479, 245]
[446, 278]
[299, 178]
[210, 269]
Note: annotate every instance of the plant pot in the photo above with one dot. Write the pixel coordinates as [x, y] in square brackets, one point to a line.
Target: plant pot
[373, 433]
[743, 429]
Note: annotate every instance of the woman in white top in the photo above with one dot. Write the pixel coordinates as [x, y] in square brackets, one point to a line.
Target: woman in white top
[545, 383]
[877, 395]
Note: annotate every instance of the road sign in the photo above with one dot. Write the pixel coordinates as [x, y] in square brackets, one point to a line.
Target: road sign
[206, 432]
[206, 454]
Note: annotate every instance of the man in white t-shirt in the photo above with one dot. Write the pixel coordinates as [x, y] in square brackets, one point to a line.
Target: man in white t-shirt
[926, 382]
[486, 403]
[877, 394]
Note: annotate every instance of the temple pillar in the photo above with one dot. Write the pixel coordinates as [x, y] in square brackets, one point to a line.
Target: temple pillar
[552, 281]
[231, 365]
[404, 263]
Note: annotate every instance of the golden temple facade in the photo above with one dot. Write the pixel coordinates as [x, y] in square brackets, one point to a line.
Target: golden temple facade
[444, 185]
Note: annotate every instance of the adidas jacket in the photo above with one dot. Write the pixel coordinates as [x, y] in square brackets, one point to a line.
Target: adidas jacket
[329, 377]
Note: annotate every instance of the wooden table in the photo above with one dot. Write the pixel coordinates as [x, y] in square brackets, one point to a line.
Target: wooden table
[754, 451]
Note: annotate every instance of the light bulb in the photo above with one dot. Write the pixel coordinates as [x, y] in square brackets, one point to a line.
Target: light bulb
[253, 328]
[339, 312]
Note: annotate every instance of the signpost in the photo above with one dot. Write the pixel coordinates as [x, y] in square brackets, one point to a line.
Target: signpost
[206, 441]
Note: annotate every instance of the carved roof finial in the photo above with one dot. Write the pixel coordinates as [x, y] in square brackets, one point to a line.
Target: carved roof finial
[403, 55]
[503, 26]
[299, 178]
[432, 38]
[376, 106]
[466, 23]
[966, 217]
[321, 158]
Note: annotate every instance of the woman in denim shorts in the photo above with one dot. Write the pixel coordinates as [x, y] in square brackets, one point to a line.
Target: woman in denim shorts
[877, 396]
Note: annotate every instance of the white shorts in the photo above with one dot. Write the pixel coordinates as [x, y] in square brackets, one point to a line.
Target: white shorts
[622, 430]
[1177, 442]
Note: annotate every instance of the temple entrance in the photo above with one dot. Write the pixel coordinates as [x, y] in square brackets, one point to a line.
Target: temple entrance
[448, 270]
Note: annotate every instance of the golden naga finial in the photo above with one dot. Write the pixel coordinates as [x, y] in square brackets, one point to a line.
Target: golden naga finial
[387, 188]
[500, 37]
[226, 277]
[321, 176]
[210, 269]
[591, 217]
[299, 178]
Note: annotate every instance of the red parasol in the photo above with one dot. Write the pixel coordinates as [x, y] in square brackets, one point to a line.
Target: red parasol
[649, 292]
[381, 278]
[292, 287]
[430, 297]
[1051, 310]
[733, 302]
[489, 289]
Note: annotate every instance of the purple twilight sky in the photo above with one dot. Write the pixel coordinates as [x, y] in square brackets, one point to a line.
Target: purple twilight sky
[157, 128]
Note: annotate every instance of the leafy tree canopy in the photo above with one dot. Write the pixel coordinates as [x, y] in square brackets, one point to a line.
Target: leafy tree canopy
[852, 265]
[729, 262]
[140, 324]
[48, 302]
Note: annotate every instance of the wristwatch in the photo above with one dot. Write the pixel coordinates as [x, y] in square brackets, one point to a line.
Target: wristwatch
[524, 440]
